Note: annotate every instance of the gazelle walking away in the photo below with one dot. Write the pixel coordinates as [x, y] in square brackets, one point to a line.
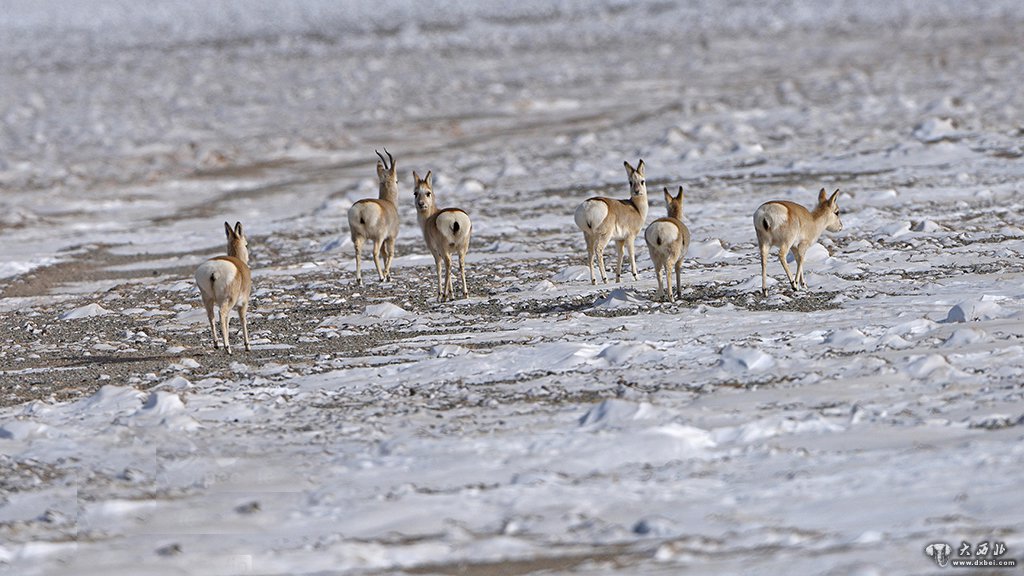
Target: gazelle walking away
[225, 283]
[446, 232]
[604, 219]
[792, 227]
[376, 219]
[668, 239]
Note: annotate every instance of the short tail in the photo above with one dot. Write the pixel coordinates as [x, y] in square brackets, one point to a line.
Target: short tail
[764, 224]
[659, 240]
[455, 227]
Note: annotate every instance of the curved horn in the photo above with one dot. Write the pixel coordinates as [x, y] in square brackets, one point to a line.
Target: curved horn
[382, 158]
[390, 157]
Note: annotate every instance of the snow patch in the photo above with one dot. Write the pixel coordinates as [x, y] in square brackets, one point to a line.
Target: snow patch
[774, 426]
[936, 130]
[625, 354]
[850, 339]
[572, 274]
[162, 409]
[619, 298]
[740, 359]
[976, 309]
[964, 337]
[815, 253]
[614, 412]
[87, 311]
[385, 310]
[924, 366]
[22, 430]
[710, 250]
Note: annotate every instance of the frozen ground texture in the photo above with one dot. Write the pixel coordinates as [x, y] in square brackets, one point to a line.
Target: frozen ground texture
[543, 424]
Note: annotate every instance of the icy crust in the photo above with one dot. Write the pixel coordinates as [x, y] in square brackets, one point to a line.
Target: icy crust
[543, 424]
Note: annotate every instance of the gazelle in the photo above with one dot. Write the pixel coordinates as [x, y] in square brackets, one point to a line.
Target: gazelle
[790, 226]
[604, 219]
[376, 219]
[445, 231]
[225, 283]
[668, 239]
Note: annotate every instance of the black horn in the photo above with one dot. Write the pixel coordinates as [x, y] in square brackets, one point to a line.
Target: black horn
[390, 157]
[385, 162]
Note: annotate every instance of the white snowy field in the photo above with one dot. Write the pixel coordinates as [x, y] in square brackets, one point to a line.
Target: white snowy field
[544, 425]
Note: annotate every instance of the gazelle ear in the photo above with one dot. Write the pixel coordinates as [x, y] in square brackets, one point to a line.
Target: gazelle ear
[629, 169]
[833, 198]
[228, 230]
[680, 196]
[668, 197]
[380, 170]
[640, 167]
[415, 178]
[238, 229]
[821, 196]
[429, 180]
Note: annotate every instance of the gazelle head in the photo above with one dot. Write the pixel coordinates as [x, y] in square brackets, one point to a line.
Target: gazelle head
[423, 191]
[387, 174]
[637, 184]
[238, 246]
[830, 206]
[674, 204]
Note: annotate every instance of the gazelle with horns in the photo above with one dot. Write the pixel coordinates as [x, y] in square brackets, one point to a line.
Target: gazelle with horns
[792, 227]
[668, 239]
[376, 219]
[446, 232]
[604, 219]
[225, 283]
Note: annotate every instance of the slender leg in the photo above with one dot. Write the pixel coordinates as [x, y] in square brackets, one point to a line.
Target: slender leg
[242, 310]
[667, 291]
[440, 286]
[679, 286]
[600, 243]
[208, 304]
[384, 260]
[764, 268]
[590, 257]
[632, 262]
[448, 292]
[618, 271]
[225, 318]
[462, 271]
[785, 266]
[358, 243]
[376, 258]
[389, 245]
[800, 253]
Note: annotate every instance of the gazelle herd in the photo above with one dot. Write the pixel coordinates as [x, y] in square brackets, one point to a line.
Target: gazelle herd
[225, 281]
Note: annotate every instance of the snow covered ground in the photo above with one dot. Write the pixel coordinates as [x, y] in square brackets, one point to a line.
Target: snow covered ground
[543, 425]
